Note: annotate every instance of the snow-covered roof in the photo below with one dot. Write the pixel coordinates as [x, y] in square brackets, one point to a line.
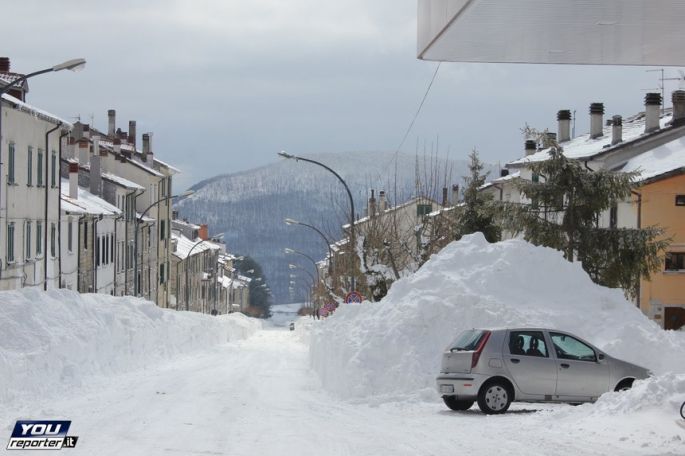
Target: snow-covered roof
[499, 180]
[27, 108]
[87, 203]
[185, 223]
[184, 246]
[7, 78]
[121, 181]
[661, 160]
[584, 147]
[415, 200]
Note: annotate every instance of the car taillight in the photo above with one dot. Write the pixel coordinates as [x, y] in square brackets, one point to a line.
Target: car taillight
[476, 354]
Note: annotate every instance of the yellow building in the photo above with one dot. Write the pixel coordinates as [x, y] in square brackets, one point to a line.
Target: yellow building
[661, 202]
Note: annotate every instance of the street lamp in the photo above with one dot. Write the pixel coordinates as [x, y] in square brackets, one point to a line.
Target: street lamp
[353, 245]
[290, 221]
[136, 278]
[72, 65]
[297, 252]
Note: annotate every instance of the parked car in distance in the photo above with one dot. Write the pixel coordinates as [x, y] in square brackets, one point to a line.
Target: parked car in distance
[496, 367]
[292, 326]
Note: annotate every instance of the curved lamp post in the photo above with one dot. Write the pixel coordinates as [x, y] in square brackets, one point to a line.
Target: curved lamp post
[297, 252]
[353, 244]
[72, 65]
[136, 278]
[290, 221]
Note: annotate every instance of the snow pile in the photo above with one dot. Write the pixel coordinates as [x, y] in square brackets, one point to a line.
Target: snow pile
[392, 349]
[53, 341]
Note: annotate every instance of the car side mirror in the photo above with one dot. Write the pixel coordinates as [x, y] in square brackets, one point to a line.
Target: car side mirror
[600, 356]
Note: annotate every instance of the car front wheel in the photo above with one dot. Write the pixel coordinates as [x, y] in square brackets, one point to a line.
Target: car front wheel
[494, 398]
[453, 403]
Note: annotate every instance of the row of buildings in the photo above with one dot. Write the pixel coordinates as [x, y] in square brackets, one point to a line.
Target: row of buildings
[651, 144]
[91, 211]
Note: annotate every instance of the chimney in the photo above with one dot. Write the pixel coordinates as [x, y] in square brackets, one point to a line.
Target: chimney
[652, 108]
[203, 232]
[503, 172]
[564, 125]
[678, 99]
[146, 146]
[382, 202]
[95, 175]
[174, 214]
[116, 146]
[4, 64]
[616, 130]
[83, 151]
[71, 148]
[73, 180]
[132, 132]
[371, 208]
[455, 194]
[111, 118]
[444, 197]
[174, 245]
[530, 147]
[596, 120]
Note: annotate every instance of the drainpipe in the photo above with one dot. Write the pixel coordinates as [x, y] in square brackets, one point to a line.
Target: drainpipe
[639, 226]
[45, 228]
[78, 253]
[59, 214]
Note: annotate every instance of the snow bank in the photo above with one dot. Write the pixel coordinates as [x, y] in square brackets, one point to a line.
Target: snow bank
[52, 341]
[391, 350]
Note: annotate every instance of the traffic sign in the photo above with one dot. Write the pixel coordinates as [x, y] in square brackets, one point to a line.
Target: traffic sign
[353, 297]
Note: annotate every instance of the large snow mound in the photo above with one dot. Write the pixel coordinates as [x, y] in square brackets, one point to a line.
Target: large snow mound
[391, 350]
[52, 341]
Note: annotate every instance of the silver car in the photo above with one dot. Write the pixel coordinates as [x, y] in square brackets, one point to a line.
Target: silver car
[498, 366]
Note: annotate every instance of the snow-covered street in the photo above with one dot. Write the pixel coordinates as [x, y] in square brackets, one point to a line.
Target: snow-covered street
[259, 397]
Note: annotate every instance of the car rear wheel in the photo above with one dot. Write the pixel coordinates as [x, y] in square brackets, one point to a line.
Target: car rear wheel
[455, 404]
[494, 398]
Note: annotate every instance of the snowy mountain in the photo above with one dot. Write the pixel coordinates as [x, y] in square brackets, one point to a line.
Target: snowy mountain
[249, 207]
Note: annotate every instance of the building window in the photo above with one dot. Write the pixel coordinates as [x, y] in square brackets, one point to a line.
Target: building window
[29, 167]
[162, 278]
[111, 246]
[53, 169]
[39, 239]
[10, 242]
[39, 168]
[53, 233]
[10, 165]
[675, 261]
[70, 235]
[97, 252]
[613, 217]
[27, 239]
[423, 209]
[162, 231]
[680, 200]
[85, 235]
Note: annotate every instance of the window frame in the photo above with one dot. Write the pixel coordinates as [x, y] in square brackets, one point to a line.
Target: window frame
[681, 269]
[29, 167]
[11, 162]
[571, 357]
[531, 333]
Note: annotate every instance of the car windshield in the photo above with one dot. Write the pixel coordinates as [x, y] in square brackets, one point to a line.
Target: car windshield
[467, 340]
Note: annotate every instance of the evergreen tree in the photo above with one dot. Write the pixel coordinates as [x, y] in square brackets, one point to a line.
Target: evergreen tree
[566, 201]
[478, 212]
[260, 299]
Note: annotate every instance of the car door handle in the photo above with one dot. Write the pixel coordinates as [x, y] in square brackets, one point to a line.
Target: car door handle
[565, 366]
[515, 360]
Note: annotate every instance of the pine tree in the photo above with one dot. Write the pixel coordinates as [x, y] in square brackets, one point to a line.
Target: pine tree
[566, 201]
[478, 211]
[260, 299]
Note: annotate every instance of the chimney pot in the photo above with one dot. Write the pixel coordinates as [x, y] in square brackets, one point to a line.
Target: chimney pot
[652, 107]
[455, 194]
[4, 64]
[596, 120]
[616, 130]
[503, 172]
[111, 117]
[678, 99]
[73, 180]
[530, 147]
[132, 132]
[444, 197]
[564, 125]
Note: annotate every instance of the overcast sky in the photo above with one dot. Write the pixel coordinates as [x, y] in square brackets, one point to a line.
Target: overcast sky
[225, 85]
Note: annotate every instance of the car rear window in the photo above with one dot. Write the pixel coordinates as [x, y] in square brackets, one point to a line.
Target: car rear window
[468, 340]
